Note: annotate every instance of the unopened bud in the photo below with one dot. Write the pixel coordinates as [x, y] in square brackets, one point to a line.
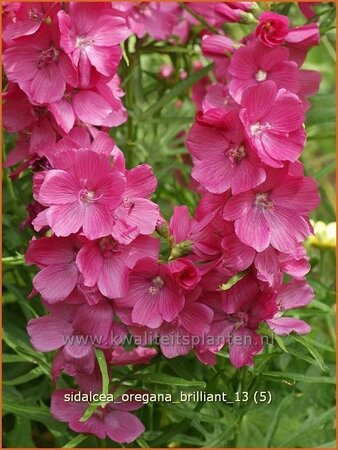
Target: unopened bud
[182, 249]
[162, 229]
[248, 18]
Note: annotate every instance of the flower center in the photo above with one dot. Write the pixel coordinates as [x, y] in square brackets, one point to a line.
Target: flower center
[108, 246]
[47, 57]
[83, 41]
[127, 202]
[263, 202]
[235, 154]
[240, 318]
[142, 8]
[35, 14]
[261, 75]
[257, 128]
[87, 196]
[157, 285]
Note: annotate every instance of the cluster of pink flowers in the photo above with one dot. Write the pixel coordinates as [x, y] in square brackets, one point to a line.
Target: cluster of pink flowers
[101, 274]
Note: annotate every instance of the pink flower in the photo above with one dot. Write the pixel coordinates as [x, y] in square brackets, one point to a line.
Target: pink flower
[300, 39]
[273, 122]
[307, 9]
[38, 65]
[153, 294]
[91, 35]
[217, 97]
[275, 212]
[185, 273]
[107, 264]
[295, 294]
[137, 214]
[138, 355]
[222, 157]
[114, 420]
[19, 114]
[166, 71]
[245, 308]
[97, 106]
[254, 63]
[178, 337]
[231, 13]
[55, 257]
[29, 17]
[83, 196]
[75, 331]
[155, 19]
[219, 49]
[273, 28]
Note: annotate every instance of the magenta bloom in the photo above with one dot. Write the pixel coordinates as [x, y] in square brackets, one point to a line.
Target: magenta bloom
[40, 131]
[107, 264]
[178, 337]
[138, 355]
[300, 39]
[185, 273]
[114, 420]
[255, 62]
[273, 28]
[74, 331]
[295, 294]
[275, 212]
[222, 156]
[91, 35]
[155, 19]
[38, 65]
[56, 258]
[273, 123]
[29, 17]
[137, 214]
[93, 106]
[217, 97]
[153, 294]
[246, 307]
[82, 197]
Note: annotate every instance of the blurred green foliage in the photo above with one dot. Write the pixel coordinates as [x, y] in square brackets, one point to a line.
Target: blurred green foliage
[299, 372]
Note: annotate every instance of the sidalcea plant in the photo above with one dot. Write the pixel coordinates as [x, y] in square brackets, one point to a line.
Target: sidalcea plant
[97, 248]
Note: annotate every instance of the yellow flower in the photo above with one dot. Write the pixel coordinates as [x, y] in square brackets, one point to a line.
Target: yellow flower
[324, 235]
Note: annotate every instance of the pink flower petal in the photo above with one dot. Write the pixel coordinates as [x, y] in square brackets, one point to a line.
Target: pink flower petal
[122, 426]
[65, 219]
[48, 333]
[286, 325]
[56, 282]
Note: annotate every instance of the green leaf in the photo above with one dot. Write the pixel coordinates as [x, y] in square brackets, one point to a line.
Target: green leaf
[326, 170]
[105, 385]
[275, 421]
[280, 342]
[142, 443]
[168, 380]
[73, 443]
[235, 279]
[176, 91]
[323, 110]
[17, 260]
[290, 378]
[309, 425]
[311, 349]
[38, 413]
[17, 340]
[20, 435]
[31, 375]
[103, 369]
